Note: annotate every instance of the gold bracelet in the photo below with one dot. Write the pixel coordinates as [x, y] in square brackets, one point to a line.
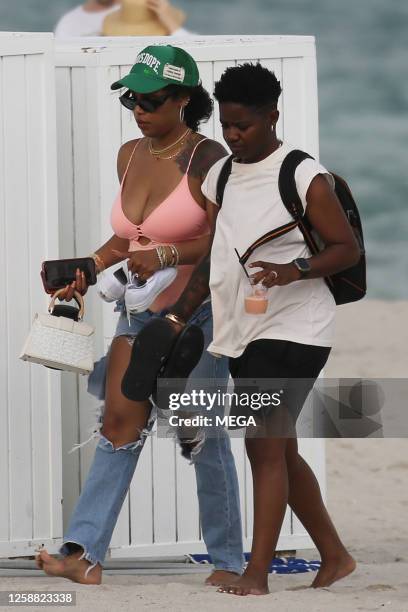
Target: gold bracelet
[166, 261]
[172, 317]
[172, 257]
[159, 255]
[99, 263]
[163, 256]
[175, 255]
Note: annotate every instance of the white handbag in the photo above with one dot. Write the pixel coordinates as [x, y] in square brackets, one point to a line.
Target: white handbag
[60, 342]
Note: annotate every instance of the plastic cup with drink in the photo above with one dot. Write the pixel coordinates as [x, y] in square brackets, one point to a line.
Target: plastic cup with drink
[256, 298]
[256, 295]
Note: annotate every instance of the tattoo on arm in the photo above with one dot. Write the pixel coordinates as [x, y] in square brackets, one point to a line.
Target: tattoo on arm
[195, 292]
[205, 156]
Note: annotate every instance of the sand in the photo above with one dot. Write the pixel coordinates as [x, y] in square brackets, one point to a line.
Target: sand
[371, 340]
[367, 498]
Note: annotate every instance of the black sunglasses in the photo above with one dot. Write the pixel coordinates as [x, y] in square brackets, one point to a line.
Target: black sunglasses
[130, 100]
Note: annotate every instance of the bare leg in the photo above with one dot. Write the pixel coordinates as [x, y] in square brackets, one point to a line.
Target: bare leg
[123, 422]
[272, 460]
[270, 478]
[306, 502]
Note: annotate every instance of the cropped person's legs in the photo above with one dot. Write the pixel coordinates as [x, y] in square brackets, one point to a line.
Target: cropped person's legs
[306, 501]
[125, 427]
[280, 475]
[217, 481]
[218, 496]
[89, 532]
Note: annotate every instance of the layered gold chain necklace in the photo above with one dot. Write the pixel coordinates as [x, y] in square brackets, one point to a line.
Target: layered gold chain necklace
[158, 153]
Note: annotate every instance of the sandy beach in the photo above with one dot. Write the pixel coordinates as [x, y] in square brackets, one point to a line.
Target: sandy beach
[367, 497]
[371, 340]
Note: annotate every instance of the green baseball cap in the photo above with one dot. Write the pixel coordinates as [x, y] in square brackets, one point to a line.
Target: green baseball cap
[158, 66]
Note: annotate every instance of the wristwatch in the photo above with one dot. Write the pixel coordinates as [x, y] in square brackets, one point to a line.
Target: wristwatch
[302, 265]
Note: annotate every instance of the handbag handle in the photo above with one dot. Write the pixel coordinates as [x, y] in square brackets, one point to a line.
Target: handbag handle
[77, 297]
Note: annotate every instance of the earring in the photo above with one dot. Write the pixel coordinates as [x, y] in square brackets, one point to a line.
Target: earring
[181, 114]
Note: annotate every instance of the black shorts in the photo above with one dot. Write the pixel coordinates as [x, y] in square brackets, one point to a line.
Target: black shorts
[280, 367]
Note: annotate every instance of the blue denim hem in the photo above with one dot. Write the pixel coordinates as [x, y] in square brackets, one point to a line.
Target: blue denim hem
[64, 551]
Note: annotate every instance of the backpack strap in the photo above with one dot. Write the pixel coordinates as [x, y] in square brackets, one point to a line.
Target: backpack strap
[287, 184]
[276, 233]
[271, 235]
[292, 202]
[223, 179]
[290, 197]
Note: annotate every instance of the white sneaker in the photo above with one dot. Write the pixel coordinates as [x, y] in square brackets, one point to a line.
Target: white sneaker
[111, 284]
[139, 297]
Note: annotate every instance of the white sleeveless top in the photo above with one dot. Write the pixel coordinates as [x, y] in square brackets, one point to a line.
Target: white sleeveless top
[302, 311]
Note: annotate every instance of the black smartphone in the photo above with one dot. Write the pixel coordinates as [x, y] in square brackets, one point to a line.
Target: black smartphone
[59, 273]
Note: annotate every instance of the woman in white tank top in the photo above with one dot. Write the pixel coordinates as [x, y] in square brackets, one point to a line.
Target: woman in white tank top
[292, 340]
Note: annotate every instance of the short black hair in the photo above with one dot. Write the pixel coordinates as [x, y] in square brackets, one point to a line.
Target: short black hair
[250, 85]
[200, 107]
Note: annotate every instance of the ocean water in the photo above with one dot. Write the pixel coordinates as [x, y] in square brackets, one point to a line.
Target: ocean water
[363, 99]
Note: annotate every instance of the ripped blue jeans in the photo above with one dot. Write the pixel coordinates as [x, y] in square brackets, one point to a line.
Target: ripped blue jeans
[102, 496]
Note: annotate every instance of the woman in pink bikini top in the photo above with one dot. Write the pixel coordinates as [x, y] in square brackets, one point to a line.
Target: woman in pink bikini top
[179, 219]
[159, 220]
[159, 216]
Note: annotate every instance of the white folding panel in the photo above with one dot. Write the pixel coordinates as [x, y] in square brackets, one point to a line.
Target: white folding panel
[160, 514]
[30, 405]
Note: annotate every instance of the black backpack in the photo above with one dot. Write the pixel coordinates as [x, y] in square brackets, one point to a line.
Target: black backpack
[346, 286]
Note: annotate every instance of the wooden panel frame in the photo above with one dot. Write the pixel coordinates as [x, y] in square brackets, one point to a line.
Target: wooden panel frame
[30, 450]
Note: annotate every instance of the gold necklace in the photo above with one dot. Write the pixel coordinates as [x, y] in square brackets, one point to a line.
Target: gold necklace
[172, 155]
[159, 151]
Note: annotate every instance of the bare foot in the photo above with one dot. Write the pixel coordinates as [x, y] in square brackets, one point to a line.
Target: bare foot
[70, 567]
[250, 583]
[331, 571]
[221, 578]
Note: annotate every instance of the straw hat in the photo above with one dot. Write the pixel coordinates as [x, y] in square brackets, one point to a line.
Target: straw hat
[134, 19]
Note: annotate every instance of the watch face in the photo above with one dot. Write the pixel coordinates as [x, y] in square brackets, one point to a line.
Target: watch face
[302, 265]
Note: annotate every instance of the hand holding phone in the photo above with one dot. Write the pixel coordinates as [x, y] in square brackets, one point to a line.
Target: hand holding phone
[69, 274]
[78, 285]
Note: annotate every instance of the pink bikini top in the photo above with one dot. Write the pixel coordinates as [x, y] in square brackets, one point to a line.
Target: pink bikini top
[179, 217]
